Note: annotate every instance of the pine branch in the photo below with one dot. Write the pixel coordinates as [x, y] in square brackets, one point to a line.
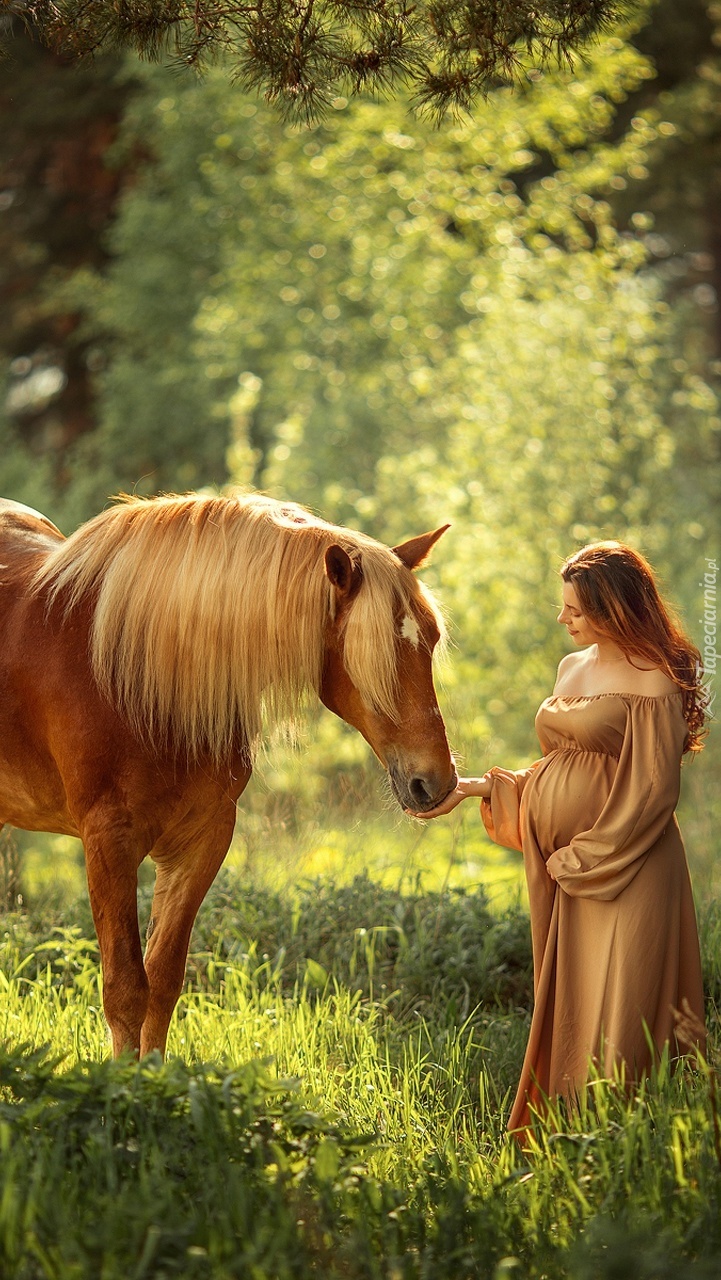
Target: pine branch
[302, 53]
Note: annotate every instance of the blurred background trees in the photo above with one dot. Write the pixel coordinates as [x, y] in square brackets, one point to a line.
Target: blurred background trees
[510, 322]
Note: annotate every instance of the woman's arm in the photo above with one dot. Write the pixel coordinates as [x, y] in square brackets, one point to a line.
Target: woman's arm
[465, 788]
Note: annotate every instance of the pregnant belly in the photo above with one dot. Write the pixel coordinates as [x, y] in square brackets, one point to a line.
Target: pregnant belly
[566, 796]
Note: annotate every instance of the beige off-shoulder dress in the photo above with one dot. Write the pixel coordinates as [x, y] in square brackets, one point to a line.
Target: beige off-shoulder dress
[615, 942]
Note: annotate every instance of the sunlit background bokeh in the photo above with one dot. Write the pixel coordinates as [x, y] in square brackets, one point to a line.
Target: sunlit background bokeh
[509, 322]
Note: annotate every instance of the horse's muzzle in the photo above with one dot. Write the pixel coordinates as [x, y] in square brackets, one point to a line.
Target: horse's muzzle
[420, 791]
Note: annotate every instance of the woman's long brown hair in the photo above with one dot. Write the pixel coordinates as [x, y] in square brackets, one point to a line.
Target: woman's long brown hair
[618, 594]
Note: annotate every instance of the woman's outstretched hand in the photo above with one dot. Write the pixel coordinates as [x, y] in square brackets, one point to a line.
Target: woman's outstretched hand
[465, 788]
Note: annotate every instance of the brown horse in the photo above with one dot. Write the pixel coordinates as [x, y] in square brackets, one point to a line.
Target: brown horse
[140, 659]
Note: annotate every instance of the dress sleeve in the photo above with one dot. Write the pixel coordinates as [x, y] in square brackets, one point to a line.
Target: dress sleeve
[501, 813]
[601, 862]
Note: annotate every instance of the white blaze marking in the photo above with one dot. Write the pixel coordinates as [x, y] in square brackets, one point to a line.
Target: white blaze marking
[410, 631]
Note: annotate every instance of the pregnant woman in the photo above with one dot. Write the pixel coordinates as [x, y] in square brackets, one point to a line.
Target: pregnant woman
[615, 944]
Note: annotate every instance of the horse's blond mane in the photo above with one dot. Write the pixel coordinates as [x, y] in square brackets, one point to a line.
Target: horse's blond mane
[209, 612]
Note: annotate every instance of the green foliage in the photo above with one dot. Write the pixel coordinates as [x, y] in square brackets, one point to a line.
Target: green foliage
[401, 327]
[282, 283]
[710, 932]
[385, 1158]
[432, 954]
[26, 477]
[363, 1137]
[56, 202]
[303, 53]
[116, 1169]
[675, 183]
[440, 952]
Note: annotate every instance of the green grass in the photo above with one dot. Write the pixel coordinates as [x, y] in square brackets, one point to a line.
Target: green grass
[362, 992]
[371, 1142]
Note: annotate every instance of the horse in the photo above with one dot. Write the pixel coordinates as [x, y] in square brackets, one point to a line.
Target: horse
[142, 660]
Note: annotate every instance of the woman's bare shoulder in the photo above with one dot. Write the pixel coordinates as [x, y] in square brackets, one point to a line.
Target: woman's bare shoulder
[568, 660]
[571, 662]
[570, 668]
[580, 674]
[651, 682]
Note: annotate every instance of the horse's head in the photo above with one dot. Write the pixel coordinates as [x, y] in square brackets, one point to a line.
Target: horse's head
[399, 715]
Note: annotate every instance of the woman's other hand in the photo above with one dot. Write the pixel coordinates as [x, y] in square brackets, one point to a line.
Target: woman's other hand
[465, 788]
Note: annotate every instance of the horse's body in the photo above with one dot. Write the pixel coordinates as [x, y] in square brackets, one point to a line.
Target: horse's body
[134, 662]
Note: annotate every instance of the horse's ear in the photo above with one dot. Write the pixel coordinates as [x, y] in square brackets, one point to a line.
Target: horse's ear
[343, 573]
[416, 551]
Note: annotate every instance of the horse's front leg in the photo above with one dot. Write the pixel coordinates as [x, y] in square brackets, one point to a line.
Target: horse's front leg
[113, 853]
[186, 868]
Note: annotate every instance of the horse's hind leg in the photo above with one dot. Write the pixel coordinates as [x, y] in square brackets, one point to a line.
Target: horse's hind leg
[184, 875]
[112, 856]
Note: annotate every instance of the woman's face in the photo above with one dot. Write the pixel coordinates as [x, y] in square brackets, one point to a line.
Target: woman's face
[581, 631]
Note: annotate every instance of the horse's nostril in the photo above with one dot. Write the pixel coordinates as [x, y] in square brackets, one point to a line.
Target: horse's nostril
[419, 791]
